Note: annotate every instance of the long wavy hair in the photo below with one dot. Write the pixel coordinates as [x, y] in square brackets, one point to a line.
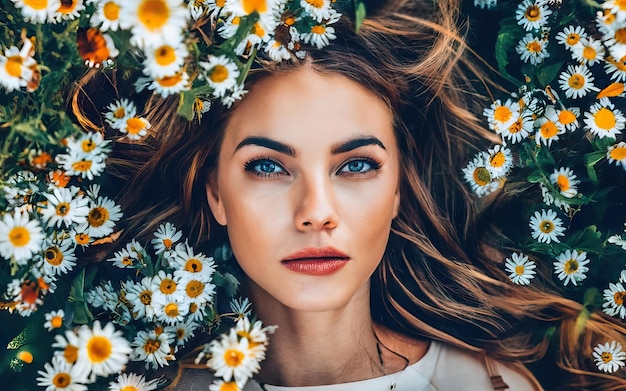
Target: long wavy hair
[442, 276]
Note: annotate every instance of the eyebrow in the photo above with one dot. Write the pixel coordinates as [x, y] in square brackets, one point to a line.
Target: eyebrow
[287, 150]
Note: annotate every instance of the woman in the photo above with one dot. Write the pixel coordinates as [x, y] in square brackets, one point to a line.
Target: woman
[336, 183]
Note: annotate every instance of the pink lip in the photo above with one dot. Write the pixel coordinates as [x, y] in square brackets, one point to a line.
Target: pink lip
[316, 261]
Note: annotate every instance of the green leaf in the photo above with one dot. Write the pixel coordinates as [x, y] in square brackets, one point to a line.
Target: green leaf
[82, 315]
[587, 240]
[185, 104]
[359, 14]
[547, 73]
[536, 176]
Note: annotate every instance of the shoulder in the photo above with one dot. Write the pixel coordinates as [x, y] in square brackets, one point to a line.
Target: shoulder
[457, 367]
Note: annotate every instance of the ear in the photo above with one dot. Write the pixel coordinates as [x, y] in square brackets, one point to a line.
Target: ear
[396, 203]
[215, 202]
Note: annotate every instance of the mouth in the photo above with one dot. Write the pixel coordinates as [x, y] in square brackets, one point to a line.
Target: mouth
[316, 261]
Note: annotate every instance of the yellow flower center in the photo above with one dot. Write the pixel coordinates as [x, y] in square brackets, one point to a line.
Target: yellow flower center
[194, 288]
[570, 266]
[566, 117]
[165, 55]
[482, 177]
[171, 310]
[119, 113]
[135, 125]
[618, 297]
[62, 209]
[258, 30]
[563, 182]
[549, 130]
[145, 297]
[233, 357]
[498, 159]
[168, 286]
[229, 386]
[67, 6]
[88, 145]
[618, 153]
[249, 6]
[170, 81]
[318, 29]
[56, 322]
[533, 13]
[99, 349]
[546, 226]
[519, 270]
[62, 380]
[129, 388]
[316, 3]
[573, 39]
[54, 256]
[533, 47]
[577, 81]
[82, 238]
[153, 13]
[25, 356]
[36, 4]
[167, 243]
[111, 11]
[82, 166]
[127, 261]
[219, 3]
[589, 53]
[502, 114]
[19, 236]
[193, 265]
[605, 119]
[13, 66]
[516, 127]
[620, 35]
[193, 307]
[70, 353]
[151, 346]
[218, 74]
[98, 216]
[607, 357]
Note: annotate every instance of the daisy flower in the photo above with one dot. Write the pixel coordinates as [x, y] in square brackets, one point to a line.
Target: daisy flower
[164, 284]
[499, 161]
[532, 49]
[546, 226]
[169, 311]
[568, 118]
[197, 291]
[17, 66]
[166, 85]
[135, 127]
[616, 69]
[69, 345]
[570, 36]
[319, 36]
[61, 376]
[221, 385]
[277, 51]
[102, 216]
[254, 332]
[165, 237]
[318, 9]
[548, 127]
[609, 357]
[123, 259]
[232, 358]
[220, 73]
[267, 10]
[102, 351]
[617, 7]
[37, 11]
[565, 180]
[132, 382]
[139, 296]
[570, 266]
[614, 300]
[479, 176]
[58, 257]
[576, 81]
[604, 120]
[68, 10]
[193, 265]
[521, 269]
[65, 207]
[27, 294]
[20, 237]
[618, 241]
[103, 296]
[614, 40]
[588, 51]
[118, 112]
[107, 15]
[617, 154]
[532, 14]
[152, 348]
[54, 320]
[165, 60]
[80, 236]
[76, 164]
[90, 144]
[182, 332]
[154, 22]
[520, 129]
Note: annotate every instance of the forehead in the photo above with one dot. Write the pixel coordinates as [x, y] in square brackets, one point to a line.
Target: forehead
[305, 105]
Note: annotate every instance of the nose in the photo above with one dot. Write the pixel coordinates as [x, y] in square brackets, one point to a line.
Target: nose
[315, 206]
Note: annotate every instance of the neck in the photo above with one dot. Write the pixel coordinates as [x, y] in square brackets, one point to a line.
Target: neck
[317, 348]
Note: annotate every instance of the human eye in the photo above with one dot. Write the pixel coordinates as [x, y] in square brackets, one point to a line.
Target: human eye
[359, 166]
[265, 168]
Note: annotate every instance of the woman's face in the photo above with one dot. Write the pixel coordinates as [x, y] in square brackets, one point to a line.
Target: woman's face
[307, 185]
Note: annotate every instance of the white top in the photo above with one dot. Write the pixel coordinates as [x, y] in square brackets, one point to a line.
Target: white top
[442, 368]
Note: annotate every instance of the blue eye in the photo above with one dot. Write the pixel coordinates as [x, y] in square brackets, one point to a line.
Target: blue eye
[264, 168]
[359, 166]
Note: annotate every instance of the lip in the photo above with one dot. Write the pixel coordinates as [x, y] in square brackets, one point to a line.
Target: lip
[316, 261]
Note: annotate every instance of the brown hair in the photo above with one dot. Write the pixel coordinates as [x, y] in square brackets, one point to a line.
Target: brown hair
[442, 276]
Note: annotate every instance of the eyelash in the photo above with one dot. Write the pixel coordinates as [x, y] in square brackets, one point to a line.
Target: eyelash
[252, 165]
